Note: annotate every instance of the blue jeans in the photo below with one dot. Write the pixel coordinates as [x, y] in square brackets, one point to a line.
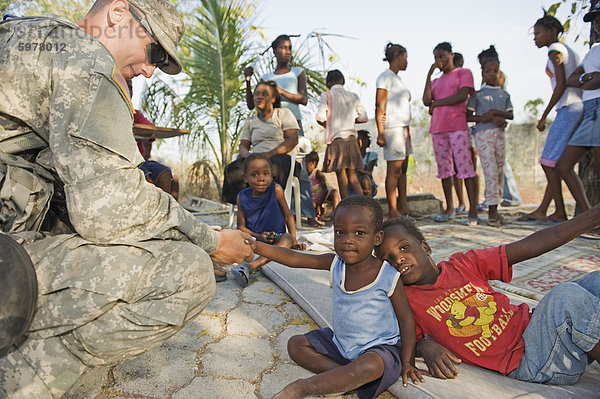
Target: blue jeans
[563, 328]
[510, 193]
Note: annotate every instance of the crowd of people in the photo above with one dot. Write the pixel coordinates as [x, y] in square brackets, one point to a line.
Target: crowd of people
[453, 103]
[116, 266]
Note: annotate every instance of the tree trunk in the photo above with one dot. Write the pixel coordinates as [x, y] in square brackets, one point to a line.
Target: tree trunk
[591, 181]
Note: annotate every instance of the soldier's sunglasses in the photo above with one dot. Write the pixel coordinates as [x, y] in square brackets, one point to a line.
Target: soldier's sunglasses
[155, 52]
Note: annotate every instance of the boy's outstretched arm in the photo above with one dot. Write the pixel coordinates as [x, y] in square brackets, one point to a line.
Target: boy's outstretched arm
[408, 335]
[290, 257]
[553, 237]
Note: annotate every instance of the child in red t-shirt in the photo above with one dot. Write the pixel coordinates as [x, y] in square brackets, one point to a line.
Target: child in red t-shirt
[456, 307]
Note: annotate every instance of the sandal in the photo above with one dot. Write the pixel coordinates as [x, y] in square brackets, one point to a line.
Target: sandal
[590, 236]
[442, 217]
[241, 274]
[470, 222]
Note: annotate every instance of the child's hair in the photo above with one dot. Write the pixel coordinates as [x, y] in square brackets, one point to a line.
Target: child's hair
[273, 87]
[312, 157]
[278, 40]
[363, 201]
[253, 157]
[335, 77]
[487, 61]
[488, 53]
[392, 51]
[365, 136]
[458, 60]
[550, 22]
[445, 46]
[408, 224]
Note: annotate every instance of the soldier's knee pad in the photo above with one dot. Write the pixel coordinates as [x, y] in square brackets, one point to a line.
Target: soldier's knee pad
[18, 291]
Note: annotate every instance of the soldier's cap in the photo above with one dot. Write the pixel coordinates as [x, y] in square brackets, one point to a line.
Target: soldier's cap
[592, 13]
[166, 25]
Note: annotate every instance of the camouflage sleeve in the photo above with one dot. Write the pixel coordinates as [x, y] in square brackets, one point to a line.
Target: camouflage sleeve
[95, 155]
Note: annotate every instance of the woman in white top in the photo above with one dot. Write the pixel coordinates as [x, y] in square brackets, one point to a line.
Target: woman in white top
[392, 115]
[291, 81]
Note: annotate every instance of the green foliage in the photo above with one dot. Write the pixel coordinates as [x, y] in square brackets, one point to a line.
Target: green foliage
[420, 114]
[209, 100]
[578, 8]
[217, 44]
[532, 108]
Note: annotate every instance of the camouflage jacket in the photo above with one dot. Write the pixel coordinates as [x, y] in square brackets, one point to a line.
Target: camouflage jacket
[63, 97]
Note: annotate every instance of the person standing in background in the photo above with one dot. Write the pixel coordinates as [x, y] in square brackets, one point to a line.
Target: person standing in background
[392, 116]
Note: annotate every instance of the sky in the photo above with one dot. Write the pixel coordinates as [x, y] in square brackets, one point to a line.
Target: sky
[469, 25]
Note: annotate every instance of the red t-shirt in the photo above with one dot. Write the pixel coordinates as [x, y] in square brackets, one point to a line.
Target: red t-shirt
[450, 118]
[462, 312]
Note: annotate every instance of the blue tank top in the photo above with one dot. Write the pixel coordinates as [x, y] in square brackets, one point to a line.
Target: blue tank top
[365, 317]
[262, 213]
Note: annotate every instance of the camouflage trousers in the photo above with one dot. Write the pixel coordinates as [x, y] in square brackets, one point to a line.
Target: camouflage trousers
[100, 305]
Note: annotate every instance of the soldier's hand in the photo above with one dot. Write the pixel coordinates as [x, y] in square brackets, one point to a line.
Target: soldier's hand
[232, 247]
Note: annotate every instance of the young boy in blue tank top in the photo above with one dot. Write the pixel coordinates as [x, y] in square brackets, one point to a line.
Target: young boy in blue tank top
[263, 213]
[367, 350]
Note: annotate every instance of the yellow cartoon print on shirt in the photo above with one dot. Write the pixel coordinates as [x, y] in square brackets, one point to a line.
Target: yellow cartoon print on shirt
[472, 316]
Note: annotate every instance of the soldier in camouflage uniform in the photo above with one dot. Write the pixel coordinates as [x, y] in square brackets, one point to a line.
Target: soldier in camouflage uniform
[121, 267]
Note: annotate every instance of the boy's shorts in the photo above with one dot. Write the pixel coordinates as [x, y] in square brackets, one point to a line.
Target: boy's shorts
[566, 121]
[397, 143]
[452, 148]
[153, 170]
[322, 341]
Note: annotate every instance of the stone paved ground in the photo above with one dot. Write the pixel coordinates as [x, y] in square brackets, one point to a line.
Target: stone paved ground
[236, 349]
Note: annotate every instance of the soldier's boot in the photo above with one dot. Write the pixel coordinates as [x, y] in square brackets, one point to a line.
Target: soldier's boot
[18, 292]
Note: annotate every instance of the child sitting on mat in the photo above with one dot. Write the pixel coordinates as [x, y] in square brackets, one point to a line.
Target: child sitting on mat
[373, 337]
[263, 213]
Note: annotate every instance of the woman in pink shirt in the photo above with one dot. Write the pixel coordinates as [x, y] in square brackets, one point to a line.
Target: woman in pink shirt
[446, 98]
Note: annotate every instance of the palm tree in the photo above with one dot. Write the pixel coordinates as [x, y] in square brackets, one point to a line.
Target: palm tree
[213, 52]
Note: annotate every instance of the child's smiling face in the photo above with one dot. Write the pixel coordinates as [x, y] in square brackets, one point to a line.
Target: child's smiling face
[409, 256]
[258, 176]
[354, 234]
